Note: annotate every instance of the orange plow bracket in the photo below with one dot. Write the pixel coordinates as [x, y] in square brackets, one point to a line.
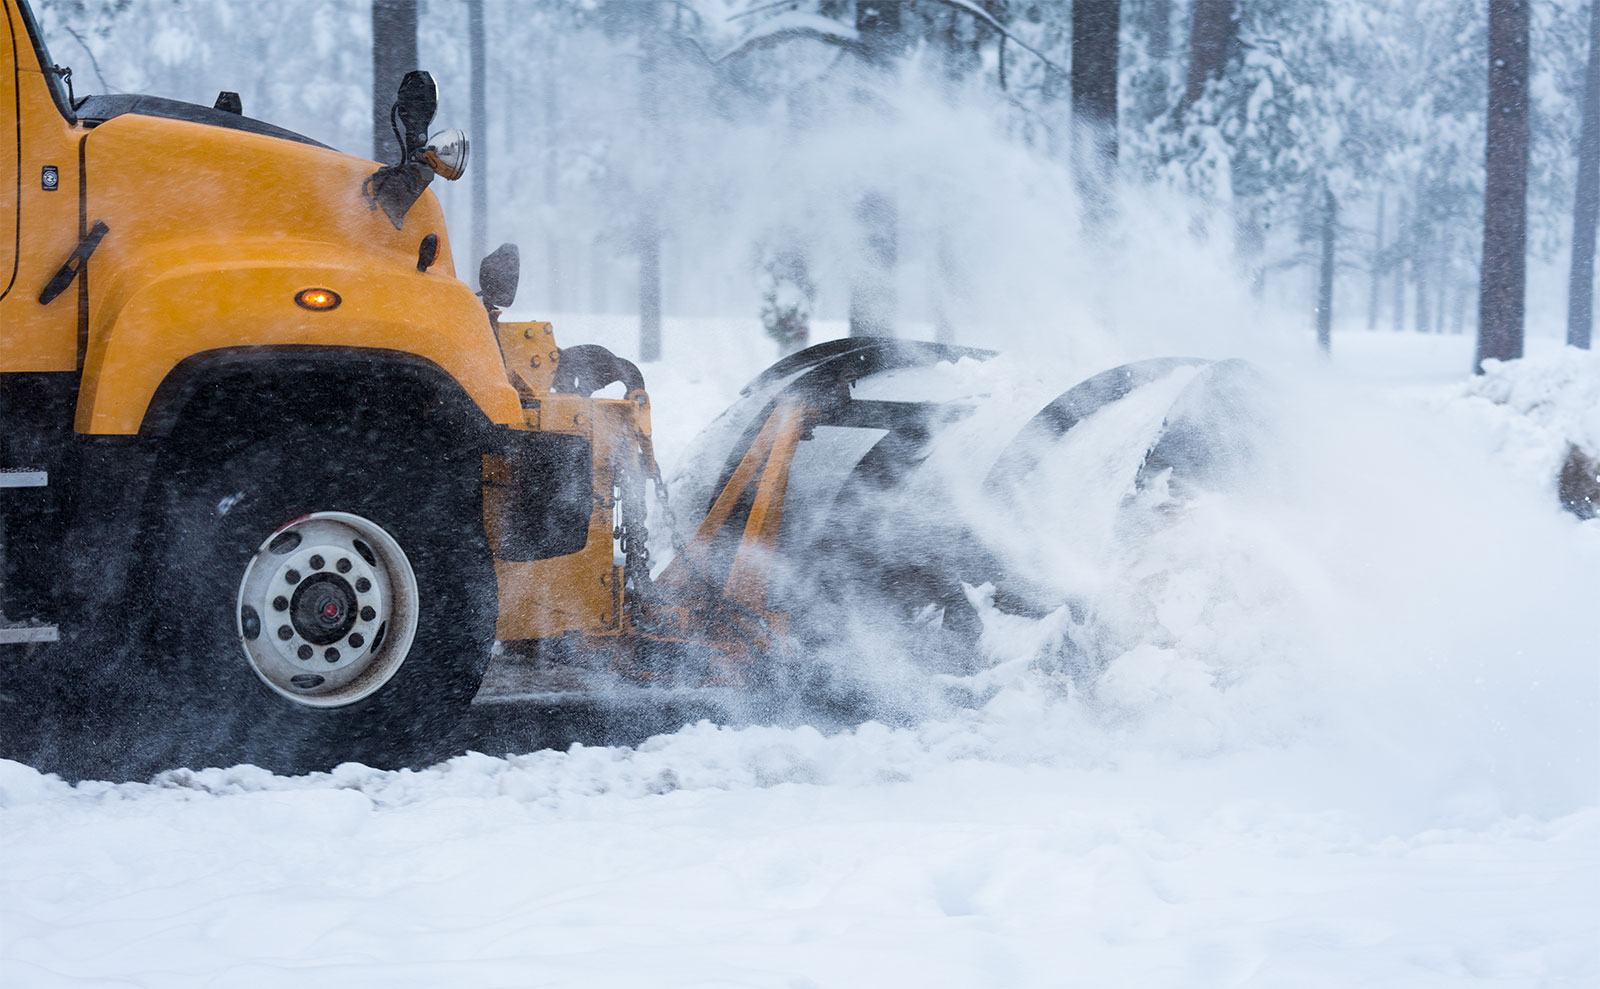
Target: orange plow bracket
[765, 464]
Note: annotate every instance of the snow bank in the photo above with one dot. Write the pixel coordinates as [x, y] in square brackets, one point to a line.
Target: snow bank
[1530, 412]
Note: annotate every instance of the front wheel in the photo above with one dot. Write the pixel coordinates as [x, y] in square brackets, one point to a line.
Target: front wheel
[328, 610]
[314, 594]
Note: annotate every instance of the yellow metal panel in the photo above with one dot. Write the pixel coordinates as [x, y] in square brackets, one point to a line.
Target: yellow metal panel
[190, 309]
[530, 353]
[10, 27]
[35, 337]
[751, 573]
[214, 230]
[579, 591]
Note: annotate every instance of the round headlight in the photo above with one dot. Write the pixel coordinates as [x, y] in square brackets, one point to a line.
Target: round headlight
[446, 153]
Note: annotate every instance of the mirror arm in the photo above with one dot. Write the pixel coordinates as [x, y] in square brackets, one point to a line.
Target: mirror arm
[394, 125]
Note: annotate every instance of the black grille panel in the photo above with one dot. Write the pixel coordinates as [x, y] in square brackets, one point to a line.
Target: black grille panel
[551, 493]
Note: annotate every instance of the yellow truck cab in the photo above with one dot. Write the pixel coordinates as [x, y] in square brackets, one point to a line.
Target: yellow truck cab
[267, 489]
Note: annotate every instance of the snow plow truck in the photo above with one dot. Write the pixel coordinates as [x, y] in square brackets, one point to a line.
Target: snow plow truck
[276, 485]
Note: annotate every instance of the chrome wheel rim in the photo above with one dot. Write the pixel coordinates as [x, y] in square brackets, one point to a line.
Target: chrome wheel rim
[327, 609]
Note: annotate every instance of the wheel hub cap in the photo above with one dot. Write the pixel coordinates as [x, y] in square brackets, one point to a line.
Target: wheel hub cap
[328, 609]
[323, 609]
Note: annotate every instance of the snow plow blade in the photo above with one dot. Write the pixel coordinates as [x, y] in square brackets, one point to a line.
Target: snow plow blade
[865, 481]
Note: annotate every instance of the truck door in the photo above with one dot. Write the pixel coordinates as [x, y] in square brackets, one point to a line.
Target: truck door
[38, 202]
[10, 149]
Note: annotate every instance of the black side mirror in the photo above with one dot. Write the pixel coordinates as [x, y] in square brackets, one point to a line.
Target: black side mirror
[498, 276]
[397, 187]
[416, 105]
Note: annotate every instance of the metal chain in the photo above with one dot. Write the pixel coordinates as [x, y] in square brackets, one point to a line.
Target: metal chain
[633, 533]
[679, 547]
[714, 595]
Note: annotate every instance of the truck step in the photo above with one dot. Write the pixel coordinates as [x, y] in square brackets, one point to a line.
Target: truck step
[23, 477]
[19, 633]
[13, 632]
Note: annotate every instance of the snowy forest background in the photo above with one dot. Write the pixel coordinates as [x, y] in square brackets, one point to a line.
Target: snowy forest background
[917, 172]
[1344, 728]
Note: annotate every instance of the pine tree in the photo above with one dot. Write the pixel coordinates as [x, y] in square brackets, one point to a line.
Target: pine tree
[394, 53]
[1505, 207]
[1586, 201]
[1094, 99]
[872, 290]
[1213, 32]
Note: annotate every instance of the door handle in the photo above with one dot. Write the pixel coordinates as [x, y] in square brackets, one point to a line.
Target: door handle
[69, 271]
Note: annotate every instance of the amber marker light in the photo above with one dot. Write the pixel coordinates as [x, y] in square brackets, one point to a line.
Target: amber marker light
[317, 299]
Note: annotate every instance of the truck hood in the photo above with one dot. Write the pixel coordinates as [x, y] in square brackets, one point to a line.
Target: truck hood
[95, 110]
[229, 185]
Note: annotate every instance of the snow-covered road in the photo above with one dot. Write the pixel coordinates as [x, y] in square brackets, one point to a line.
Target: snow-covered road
[778, 861]
[1350, 740]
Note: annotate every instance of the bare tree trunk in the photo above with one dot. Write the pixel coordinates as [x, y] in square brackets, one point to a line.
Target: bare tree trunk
[480, 133]
[1249, 247]
[1398, 266]
[1458, 308]
[1376, 267]
[599, 278]
[394, 53]
[1211, 38]
[552, 190]
[789, 295]
[872, 290]
[948, 277]
[1586, 203]
[648, 231]
[1330, 218]
[649, 286]
[1501, 298]
[1094, 100]
[1443, 279]
[1155, 16]
[878, 23]
[1419, 270]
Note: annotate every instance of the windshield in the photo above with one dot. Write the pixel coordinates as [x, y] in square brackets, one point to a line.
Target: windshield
[58, 89]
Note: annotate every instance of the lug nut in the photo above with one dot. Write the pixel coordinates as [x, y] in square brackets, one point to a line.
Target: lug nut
[332, 655]
[363, 585]
[343, 566]
[317, 561]
[367, 614]
[305, 652]
[292, 576]
[356, 641]
[280, 603]
[285, 632]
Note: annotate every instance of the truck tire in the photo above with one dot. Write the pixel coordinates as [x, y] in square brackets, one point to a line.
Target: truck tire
[316, 590]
